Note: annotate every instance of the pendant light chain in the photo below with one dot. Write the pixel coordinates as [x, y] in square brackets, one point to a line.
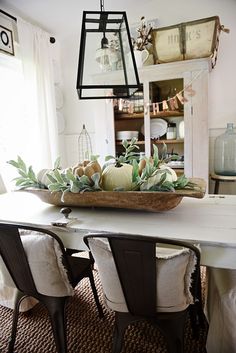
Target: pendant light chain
[102, 5]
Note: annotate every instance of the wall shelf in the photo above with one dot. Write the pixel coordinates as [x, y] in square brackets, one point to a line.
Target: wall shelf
[167, 141]
[164, 114]
[119, 142]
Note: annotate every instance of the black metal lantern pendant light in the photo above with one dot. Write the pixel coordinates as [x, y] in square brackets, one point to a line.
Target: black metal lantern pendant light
[107, 67]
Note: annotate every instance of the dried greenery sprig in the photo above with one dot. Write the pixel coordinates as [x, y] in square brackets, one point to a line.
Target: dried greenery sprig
[144, 36]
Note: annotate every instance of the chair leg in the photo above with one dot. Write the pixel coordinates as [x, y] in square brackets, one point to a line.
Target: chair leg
[122, 320]
[56, 309]
[173, 330]
[95, 294]
[12, 339]
[197, 316]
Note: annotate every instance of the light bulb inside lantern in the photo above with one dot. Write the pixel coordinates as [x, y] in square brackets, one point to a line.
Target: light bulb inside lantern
[106, 57]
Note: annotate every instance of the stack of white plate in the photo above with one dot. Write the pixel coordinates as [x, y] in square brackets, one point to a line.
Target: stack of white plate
[176, 164]
[126, 135]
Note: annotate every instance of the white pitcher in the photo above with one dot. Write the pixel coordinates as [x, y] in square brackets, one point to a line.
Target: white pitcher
[140, 57]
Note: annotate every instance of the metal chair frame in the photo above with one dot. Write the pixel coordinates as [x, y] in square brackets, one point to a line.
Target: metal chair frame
[15, 259]
[135, 260]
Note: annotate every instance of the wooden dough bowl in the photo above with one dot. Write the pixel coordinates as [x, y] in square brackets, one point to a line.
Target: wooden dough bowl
[135, 200]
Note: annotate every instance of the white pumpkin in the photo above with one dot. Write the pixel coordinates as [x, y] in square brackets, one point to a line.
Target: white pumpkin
[117, 177]
[42, 176]
[170, 177]
[155, 179]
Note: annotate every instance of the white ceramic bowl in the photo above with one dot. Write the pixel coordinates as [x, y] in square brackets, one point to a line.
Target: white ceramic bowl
[126, 135]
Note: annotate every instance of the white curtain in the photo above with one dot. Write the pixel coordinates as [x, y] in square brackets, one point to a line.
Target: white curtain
[39, 92]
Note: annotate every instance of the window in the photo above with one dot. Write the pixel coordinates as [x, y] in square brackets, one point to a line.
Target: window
[16, 127]
[28, 120]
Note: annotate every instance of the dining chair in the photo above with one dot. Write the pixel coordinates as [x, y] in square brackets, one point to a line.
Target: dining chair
[40, 268]
[149, 278]
[8, 294]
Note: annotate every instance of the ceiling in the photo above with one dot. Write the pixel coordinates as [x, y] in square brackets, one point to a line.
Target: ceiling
[61, 17]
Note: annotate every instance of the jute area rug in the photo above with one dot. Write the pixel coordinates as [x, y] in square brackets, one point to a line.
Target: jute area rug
[86, 332]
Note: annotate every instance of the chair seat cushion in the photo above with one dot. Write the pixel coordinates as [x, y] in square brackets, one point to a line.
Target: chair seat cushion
[8, 296]
[174, 269]
[45, 261]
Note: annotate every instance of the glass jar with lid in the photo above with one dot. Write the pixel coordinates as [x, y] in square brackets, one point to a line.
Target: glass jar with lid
[171, 131]
[225, 152]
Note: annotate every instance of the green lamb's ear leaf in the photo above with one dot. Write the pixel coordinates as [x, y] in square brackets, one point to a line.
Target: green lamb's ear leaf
[148, 168]
[84, 179]
[22, 173]
[181, 182]
[27, 183]
[70, 175]
[13, 163]
[164, 151]
[51, 178]
[133, 140]
[168, 185]
[74, 187]
[163, 178]
[64, 177]
[107, 158]
[21, 164]
[125, 144]
[132, 148]
[22, 182]
[19, 181]
[96, 179]
[135, 173]
[57, 163]
[94, 157]
[55, 187]
[31, 174]
[155, 156]
[58, 176]
[63, 194]
[121, 159]
[133, 155]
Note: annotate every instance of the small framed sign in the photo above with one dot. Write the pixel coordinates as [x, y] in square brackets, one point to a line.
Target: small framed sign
[188, 40]
[6, 40]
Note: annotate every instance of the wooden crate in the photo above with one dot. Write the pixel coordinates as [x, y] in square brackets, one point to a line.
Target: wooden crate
[188, 40]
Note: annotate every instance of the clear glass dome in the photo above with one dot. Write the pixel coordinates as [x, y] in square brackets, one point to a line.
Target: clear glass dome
[225, 152]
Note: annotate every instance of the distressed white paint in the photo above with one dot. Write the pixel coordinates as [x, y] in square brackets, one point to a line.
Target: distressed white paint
[200, 221]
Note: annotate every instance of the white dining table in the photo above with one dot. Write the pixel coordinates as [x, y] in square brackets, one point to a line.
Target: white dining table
[209, 222]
